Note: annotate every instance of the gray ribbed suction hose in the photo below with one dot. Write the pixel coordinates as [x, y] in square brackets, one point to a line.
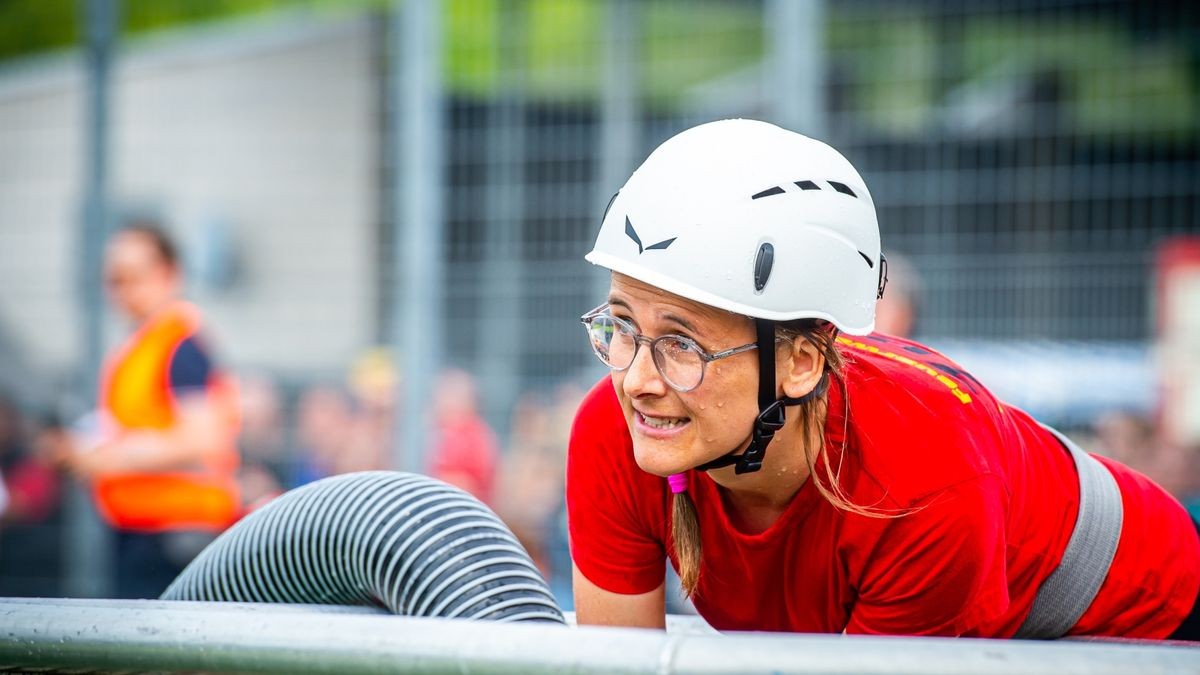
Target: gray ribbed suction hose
[410, 543]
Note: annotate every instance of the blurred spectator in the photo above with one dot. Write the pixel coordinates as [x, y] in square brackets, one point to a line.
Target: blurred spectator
[161, 456]
[8, 448]
[531, 482]
[1134, 440]
[264, 466]
[30, 526]
[373, 381]
[324, 424]
[262, 430]
[31, 484]
[464, 448]
[1127, 437]
[897, 312]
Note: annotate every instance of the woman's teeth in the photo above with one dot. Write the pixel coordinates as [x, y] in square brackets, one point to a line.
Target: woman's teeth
[663, 422]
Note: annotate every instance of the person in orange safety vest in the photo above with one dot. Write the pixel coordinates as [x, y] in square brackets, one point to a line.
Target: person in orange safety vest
[162, 459]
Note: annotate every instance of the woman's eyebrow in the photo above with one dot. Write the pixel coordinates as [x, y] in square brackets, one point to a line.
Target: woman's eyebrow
[619, 302]
[682, 322]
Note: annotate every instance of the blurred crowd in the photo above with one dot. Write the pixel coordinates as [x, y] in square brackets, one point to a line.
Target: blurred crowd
[290, 438]
[292, 435]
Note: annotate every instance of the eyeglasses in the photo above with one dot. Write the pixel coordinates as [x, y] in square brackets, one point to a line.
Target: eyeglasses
[679, 360]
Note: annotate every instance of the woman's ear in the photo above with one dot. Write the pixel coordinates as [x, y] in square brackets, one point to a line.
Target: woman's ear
[800, 368]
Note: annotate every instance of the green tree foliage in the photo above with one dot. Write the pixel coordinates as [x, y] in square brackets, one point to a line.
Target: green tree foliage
[896, 67]
[32, 26]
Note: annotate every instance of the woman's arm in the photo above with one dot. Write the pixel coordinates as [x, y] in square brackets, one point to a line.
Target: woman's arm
[201, 431]
[615, 518]
[596, 606]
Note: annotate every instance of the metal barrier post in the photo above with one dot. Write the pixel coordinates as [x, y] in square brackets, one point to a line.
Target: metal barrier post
[417, 152]
[88, 544]
[795, 71]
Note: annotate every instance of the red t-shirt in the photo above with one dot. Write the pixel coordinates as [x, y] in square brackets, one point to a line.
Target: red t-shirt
[990, 501]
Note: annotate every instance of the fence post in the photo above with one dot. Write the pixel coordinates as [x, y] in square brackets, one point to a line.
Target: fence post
[619, 127]
[87, 542]
[417, 119]
[502, 256]
[795, 72]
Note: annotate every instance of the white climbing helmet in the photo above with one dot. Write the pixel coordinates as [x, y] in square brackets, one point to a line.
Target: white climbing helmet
[751, 218]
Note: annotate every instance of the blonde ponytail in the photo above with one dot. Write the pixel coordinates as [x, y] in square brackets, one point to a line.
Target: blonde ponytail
[685, 536]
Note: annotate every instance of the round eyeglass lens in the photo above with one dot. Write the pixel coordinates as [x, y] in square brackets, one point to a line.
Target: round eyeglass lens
[679, 362]
[612, 342]
[600, 331]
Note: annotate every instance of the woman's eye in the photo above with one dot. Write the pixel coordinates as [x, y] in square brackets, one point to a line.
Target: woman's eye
[686, 346]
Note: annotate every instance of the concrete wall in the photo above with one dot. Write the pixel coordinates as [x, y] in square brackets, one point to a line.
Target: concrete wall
[41, 164]
[257, 139]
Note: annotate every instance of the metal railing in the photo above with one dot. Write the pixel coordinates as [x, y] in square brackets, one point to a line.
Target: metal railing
[115, 635]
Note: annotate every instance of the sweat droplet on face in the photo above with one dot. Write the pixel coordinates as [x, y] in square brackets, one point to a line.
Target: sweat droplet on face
[702, 407]
[720, 403]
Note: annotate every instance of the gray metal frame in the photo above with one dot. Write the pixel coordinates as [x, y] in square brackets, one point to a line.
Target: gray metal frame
[111, 635]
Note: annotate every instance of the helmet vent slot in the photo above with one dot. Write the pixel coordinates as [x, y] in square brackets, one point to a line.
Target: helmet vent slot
[842, 188]
[807, 185]
[769, 192]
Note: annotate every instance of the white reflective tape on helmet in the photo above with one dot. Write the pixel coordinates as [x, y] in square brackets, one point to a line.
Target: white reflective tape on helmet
[694, 217]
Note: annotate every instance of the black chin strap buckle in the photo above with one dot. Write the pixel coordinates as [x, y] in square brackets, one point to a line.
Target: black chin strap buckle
[769, 421]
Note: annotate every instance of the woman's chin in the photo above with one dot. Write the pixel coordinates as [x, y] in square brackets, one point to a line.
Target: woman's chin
[659, 463]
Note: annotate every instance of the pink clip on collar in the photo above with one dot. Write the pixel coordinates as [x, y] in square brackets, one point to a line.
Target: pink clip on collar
[678, 482]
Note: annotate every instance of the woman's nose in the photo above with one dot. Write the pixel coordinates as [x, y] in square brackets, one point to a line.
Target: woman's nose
[642, 377]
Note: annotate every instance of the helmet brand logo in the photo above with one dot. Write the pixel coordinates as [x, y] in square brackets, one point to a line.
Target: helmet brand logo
[632, 234]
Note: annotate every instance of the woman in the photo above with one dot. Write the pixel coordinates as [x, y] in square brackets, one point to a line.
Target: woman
[804, 474]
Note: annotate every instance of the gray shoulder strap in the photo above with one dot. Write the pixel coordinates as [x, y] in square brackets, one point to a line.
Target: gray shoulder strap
[1069, 590]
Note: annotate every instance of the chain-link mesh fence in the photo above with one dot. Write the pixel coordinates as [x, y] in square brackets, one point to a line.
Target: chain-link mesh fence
[1025, 158]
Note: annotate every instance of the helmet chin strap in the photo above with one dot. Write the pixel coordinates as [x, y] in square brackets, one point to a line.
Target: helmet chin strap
[770, 409]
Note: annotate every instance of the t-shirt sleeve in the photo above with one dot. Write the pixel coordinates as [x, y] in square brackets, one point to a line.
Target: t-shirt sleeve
[610, 501]
[190, 367]
[939, 570]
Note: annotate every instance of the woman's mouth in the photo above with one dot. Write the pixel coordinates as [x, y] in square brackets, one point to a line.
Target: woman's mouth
[659, 426]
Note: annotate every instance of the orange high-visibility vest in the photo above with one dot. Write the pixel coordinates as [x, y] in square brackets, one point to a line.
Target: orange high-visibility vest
[135, 392]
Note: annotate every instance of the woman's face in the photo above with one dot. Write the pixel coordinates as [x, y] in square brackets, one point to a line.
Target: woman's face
[674, 431]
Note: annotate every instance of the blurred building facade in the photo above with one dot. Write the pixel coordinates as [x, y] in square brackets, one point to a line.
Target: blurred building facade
[258, 144]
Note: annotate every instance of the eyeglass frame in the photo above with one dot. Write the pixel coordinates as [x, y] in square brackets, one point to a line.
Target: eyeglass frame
[639, 338]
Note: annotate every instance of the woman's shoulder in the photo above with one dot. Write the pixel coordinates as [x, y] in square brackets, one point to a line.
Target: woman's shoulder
[882, 362]
[917, 422]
